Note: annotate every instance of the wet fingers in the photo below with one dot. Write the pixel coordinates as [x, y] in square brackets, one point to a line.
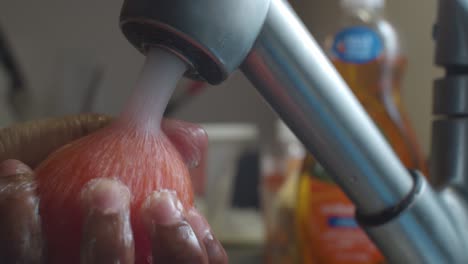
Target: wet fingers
[214, 249]
[107, 233]
[20, 227]
[173, 239]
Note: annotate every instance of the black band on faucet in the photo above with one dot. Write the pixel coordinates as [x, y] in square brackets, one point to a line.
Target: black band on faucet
[391, 213]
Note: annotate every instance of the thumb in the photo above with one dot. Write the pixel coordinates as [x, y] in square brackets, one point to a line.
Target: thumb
[33, 141]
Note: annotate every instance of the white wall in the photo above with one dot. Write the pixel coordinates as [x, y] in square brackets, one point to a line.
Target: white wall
[49, 34]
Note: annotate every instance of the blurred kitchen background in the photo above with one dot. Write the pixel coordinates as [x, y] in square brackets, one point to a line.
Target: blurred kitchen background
[73, 58]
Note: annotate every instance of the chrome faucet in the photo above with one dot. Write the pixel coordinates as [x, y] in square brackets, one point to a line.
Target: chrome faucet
[407, 218]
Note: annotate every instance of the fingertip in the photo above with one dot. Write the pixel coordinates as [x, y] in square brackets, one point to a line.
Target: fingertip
[200, 139]
[199, 133]
[16, 179]
[162, 208]
[13, 167]
[198, 222]
[191, 140]
[106, 195]
[107, 235]
[214, 250]
[173, 239]
[177, 244]
[20, 228]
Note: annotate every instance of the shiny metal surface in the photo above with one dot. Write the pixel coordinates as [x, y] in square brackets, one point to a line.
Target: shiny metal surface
[449, 150]
[449, 157]
[451, 33]
[293, 75]
[423, 234]
[456, 201]
[213, 36]
[451, 95]
[297, 80]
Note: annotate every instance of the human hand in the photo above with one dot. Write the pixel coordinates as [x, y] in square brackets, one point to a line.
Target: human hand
[177, 235]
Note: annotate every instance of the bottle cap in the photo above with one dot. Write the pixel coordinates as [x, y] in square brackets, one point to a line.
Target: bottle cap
[374, 4]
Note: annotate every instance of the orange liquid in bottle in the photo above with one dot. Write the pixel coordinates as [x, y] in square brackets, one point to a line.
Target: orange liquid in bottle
[377, 86]
[327, 231]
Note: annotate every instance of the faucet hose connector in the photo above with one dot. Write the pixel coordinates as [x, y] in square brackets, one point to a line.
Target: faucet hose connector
[212, 36]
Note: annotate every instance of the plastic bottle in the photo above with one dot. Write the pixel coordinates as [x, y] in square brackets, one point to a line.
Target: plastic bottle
[366, 52]
[281, 166]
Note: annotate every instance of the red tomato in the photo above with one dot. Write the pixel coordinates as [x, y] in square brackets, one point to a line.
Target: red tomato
[144, 159]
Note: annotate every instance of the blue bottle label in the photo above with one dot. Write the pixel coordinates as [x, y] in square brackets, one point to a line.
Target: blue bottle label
[357, 45]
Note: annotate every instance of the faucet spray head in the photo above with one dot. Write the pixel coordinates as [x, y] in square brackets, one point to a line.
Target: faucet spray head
[212, 36]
